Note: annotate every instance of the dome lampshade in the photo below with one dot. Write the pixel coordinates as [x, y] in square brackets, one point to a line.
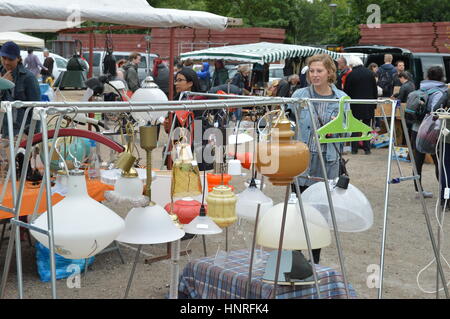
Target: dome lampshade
[82, 226]
[352, 209]
[268, 233]
[248, 200]
[149, 225]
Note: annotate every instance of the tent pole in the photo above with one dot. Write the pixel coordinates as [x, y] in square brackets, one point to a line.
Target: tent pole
[171, 61]
[91, 54]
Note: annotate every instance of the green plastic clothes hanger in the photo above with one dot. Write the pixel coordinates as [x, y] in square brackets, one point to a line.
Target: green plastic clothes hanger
[344, 123]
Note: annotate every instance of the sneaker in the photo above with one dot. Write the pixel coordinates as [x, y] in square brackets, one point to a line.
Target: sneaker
[367, 152]
[425, 194]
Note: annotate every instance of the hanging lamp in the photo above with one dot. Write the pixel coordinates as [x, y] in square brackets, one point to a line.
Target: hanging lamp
[185, 173]
[186, 209]
[248, 200]
[150, 224]
[82, 226]
[282, 158]
[128, 188]
[352, 208]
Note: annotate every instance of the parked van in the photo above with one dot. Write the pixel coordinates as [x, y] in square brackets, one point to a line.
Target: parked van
[142, 68]
[416, 63]
[59, 65]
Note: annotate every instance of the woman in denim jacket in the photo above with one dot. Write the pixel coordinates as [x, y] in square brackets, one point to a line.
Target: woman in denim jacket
[321, 76]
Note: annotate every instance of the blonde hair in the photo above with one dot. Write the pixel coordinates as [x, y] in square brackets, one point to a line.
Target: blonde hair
[388, 58]
[327, 62]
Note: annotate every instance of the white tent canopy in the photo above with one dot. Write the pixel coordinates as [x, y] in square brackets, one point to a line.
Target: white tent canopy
[262, 52]
[21, 39]
[66, 13]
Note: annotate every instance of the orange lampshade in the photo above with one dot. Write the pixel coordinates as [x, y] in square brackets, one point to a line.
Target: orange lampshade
[186, 209]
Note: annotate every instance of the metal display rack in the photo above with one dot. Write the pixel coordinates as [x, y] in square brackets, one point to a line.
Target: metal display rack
[41, 110]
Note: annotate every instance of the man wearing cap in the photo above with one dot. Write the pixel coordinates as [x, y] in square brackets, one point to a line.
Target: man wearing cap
[27, 86]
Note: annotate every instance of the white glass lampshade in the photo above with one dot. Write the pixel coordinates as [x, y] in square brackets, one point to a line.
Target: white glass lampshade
[148, 92]
[247, 203]
[129, 186]
[268, 234]
[352, 209]
[241, 139]
[202, 225]
[234, 167]
[149, 225]
[82, 226]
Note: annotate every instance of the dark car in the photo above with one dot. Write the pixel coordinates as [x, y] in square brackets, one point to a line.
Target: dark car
[417, 63]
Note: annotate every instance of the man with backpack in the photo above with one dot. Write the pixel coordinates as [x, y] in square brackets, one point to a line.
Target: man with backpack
[432, 95]
[385, 75]
[131, 71]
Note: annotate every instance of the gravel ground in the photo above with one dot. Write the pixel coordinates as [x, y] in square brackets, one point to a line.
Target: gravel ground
[408, 247]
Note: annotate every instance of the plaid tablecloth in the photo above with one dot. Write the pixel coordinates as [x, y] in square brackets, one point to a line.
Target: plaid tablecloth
[201, 279]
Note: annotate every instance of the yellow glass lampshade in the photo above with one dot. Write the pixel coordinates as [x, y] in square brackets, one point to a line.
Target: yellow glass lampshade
[222, 206]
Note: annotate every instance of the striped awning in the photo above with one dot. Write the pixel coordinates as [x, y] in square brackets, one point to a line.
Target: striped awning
[262, 52]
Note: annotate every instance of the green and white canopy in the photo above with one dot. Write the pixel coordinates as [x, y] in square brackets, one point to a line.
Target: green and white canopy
[262, 52]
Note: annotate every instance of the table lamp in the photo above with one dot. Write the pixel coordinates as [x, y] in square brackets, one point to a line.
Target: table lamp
[352, 208]
[268, 233]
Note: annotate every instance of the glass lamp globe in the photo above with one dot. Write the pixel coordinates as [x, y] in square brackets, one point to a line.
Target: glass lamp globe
[82, 226]
[268, 233]
[352, 209]
[149, 91]
[149, 225]
[248, 200]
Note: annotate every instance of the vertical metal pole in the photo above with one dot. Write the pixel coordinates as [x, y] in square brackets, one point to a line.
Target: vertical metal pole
[441, 157]
[252, 253]
[280, 245]
[330, 200]
[51, 239]
[204, 245]
[14, 199]
[14, 228]
[175, 271]
[91, 54]
[308, 239]
[132, 271]
[171, 61]
[425, 212]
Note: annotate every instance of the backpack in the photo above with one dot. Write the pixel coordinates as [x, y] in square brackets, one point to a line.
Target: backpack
[416, 105]
[386, 82]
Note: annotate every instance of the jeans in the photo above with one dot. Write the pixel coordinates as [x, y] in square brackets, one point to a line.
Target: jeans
[366, 144]
[315, 252]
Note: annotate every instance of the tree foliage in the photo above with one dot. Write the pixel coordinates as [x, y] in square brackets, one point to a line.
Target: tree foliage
[311, 21]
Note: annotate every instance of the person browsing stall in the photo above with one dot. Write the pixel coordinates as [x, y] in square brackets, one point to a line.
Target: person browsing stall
[321, 76]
